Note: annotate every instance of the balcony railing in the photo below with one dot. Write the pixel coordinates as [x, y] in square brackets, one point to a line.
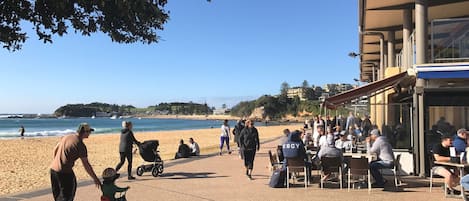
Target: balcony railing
[449, 40]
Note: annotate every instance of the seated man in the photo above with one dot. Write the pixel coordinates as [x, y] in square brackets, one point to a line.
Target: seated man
[183, 150]
[329, 151]
[459, 142]
[343, 142]
[441, 153]
[383, 151]
[195, 150]
[294, 148]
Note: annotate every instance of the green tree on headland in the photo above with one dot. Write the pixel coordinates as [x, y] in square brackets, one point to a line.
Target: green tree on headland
[123, 21]
[88, 110]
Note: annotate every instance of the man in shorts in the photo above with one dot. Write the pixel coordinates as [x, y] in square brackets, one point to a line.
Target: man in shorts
[66, 152]
[441, 153]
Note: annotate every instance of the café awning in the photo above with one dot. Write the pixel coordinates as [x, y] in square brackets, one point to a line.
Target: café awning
[345, 97]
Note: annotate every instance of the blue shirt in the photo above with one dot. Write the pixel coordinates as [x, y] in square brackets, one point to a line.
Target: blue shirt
[459, 144]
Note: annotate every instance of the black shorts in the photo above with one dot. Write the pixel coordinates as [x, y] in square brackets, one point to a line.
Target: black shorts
[64, 185]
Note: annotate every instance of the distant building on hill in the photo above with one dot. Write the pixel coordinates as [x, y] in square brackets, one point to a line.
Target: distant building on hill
[296, 91]
[221, 111]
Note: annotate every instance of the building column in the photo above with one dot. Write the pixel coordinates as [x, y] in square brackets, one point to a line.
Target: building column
[391, 49]
[421, 40]
[406, 32]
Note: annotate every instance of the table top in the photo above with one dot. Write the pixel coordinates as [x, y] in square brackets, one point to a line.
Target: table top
[358, 154]
[451, 164]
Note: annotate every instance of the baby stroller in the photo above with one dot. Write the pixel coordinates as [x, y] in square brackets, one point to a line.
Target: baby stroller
[149, 152]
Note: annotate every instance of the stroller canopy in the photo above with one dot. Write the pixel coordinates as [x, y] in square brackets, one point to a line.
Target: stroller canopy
[148, 150]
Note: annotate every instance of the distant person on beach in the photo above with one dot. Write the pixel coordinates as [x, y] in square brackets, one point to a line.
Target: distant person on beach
[183, 150]
[66, 152]
[225, 136]
[127, 139]
[249, 144]
[195, 150]
[21, 130]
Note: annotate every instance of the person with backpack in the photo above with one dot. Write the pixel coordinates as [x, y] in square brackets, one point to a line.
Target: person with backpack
[249, 140]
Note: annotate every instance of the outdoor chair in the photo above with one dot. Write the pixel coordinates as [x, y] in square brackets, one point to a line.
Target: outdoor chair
[274, 164]
[280, 153]
[295, 166]
[433, 167]
[359, 166]
[396, 170]
[331, 164]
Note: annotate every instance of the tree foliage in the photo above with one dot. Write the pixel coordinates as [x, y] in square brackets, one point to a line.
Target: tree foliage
[88, 110]
[123, 21]
[183, 108]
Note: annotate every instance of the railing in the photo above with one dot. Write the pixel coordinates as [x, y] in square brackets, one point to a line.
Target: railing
[406, 61]
[449, 40]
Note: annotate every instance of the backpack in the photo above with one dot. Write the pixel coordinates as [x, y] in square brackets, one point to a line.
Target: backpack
[277, 180]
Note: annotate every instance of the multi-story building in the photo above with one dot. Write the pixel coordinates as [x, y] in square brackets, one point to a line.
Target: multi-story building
[296, 91]
[415, 56]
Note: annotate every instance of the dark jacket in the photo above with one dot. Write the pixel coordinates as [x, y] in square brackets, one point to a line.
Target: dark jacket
[249, 139]
[127, 139]
[183, 151]
[237, 131]
[294, 147]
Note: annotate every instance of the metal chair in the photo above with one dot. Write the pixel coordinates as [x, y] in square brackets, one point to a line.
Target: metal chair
[396, 170]
[359, 166]
[331, 164]
[296, 165]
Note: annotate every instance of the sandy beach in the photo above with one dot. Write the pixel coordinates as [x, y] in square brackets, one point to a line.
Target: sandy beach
[25, 163]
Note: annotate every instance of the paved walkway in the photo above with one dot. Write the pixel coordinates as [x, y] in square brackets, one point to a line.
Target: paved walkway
[223, 177]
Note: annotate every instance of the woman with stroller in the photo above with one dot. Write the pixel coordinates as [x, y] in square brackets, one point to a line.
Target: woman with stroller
[125, 147]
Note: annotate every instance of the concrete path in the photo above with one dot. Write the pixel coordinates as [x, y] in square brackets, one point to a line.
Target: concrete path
[214, 177]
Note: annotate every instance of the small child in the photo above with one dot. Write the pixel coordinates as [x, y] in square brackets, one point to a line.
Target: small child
[109, 188]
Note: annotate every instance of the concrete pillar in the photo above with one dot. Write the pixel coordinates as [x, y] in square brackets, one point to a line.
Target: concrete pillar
[391, 49]
[421, 40]
[406, 32]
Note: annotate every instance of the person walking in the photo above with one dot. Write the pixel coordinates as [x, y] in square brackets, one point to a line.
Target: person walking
[127, 139]
[225, 136]
[66, 152]
[249, 144]
[21, 130]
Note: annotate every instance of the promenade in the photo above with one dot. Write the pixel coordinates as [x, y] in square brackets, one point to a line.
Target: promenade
[212, 177]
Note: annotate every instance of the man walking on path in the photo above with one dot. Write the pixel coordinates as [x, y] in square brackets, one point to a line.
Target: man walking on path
[66, 152]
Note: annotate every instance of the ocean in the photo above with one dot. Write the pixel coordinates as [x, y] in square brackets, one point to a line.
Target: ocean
[9, 128]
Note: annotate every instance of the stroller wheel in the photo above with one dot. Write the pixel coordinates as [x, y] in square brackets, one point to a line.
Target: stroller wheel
[160, 168]
[140, 171]
[154, 171]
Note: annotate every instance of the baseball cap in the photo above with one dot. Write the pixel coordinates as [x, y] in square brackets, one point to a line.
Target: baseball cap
[375, 132]
[84, 127]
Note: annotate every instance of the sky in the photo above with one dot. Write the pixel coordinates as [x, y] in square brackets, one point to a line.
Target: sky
[221, 52]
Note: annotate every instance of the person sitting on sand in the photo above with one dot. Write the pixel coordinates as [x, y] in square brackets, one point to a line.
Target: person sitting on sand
[195, 150]
[109, 187]
[183, 150]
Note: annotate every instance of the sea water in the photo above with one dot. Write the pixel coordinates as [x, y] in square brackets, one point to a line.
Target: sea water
[9, 128]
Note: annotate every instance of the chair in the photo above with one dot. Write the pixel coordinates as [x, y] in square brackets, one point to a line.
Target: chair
[359, 166]
[331, 164]
[280, 153]
[396, 170]
[432, 165]
[274, 164]
[296, 165]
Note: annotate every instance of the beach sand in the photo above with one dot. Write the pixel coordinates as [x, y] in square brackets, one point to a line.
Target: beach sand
[25, 163]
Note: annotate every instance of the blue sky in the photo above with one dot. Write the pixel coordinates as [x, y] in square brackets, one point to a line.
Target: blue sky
[218, 52]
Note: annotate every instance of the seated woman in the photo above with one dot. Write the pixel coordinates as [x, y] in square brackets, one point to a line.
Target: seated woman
[183, 151]
[195, 150]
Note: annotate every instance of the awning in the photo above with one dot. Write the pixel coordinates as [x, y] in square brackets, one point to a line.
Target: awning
[442, 71]
[339, 99]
